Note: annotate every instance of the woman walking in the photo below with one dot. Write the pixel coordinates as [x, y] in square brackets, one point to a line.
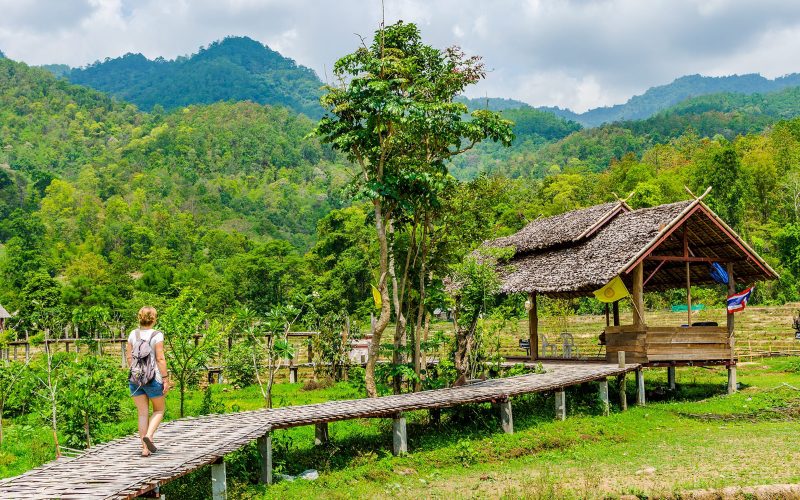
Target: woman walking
[148, 380]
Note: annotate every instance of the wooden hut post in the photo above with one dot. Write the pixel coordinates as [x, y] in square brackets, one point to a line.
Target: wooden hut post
[533, 327]
[608, 321]
[732, 365]
[219, 483]
[688, 295]
[640, 386]
[638, 295]
[615, 311]
[671, 377]
[265, 448]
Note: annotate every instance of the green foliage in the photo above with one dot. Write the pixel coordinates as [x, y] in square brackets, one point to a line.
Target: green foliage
[90, 394]
[232, 69]
[240, 371]
[190, 341]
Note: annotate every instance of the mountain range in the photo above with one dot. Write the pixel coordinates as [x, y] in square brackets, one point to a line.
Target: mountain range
[240, 68]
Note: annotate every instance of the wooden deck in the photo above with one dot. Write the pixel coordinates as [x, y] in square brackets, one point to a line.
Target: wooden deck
[115, 469]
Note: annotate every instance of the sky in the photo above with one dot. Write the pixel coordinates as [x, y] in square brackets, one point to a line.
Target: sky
[577, 54]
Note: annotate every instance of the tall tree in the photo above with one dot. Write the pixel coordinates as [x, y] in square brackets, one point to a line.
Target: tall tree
[393, 114]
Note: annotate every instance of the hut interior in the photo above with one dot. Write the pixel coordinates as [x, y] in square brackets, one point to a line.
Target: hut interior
[672, 246]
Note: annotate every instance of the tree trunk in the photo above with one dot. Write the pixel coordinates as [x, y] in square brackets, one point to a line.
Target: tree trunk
[383, 319]
[86, 430]
[421, 310]
[465, 338]
[1, 424]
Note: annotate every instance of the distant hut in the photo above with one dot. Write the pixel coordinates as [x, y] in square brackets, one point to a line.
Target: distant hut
[3, 317]
[660, 248]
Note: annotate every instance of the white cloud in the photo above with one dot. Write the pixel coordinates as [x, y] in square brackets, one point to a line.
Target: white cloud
[571, 53]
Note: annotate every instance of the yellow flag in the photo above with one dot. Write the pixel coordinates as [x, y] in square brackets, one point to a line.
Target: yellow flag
[376, 296]
[612, 292]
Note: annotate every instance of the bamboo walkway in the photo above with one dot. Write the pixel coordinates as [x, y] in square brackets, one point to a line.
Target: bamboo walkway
[115, 469]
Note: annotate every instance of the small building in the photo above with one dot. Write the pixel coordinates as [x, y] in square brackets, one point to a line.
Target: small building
[3, 317]
[660, 248]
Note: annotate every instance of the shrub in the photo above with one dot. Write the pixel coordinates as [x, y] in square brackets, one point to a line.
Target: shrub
[238, 364]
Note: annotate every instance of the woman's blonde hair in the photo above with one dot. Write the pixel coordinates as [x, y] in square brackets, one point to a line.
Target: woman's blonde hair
[147, 316]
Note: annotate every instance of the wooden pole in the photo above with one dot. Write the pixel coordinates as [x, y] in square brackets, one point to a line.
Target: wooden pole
[533, 327]
[615, 310]
[399, 435]
[638, 295]
[321, 436]
[608, 321]
[265, 448]
[219, 484]
[623, 397]
[732, 385]
[603, 394]
[506, 417]
[561, 405]
[688, 295]
[640, 387]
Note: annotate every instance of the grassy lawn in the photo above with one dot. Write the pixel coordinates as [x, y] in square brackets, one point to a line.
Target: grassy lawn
[695, 438]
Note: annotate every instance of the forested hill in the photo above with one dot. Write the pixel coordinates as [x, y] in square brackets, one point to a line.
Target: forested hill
[659, 98]
[233, 69]
[116, 204]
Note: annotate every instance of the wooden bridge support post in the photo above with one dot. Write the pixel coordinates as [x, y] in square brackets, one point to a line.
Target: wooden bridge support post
[623, 397]
[731, 379]
[321, 436]
[506, 417]
[265, 449]
[603, 393]
[671, 377]
[640, 387]
[399, 435]
[561, 405]
[435, 417]
[292, 374]
[219, 483]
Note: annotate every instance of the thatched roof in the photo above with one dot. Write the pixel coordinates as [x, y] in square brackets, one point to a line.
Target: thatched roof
[560, 230]
[617, 243]
[3, 313]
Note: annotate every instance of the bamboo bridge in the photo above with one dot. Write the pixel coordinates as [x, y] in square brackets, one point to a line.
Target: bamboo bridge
[115, 470]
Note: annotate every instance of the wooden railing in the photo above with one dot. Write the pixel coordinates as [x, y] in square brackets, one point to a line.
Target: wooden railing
[651, 344]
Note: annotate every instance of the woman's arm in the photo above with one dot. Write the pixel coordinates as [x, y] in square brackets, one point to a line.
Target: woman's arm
[161, 361]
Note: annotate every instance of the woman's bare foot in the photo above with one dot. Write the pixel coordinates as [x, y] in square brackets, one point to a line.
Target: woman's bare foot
[145, 452]
[148, 442]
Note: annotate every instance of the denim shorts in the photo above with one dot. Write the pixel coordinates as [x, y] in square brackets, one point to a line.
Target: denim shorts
[152, 389]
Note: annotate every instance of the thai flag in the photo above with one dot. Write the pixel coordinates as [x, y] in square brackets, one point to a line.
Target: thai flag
[737, 301]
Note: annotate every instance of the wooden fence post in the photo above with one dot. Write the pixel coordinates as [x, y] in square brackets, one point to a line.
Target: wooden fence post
[561, 405]
[265, 449]
[603, 393]
[219, 483]
[506, 417]
[399, 435]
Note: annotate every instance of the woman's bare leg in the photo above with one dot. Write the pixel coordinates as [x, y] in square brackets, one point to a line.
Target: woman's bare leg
[158, 414]
[142, 408]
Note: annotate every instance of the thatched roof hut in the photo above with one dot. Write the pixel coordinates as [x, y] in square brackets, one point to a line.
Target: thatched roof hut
[3, 313]
[659, 248]
[577, 252]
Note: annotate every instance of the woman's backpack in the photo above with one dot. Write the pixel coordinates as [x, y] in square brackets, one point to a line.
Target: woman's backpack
[143, 361]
